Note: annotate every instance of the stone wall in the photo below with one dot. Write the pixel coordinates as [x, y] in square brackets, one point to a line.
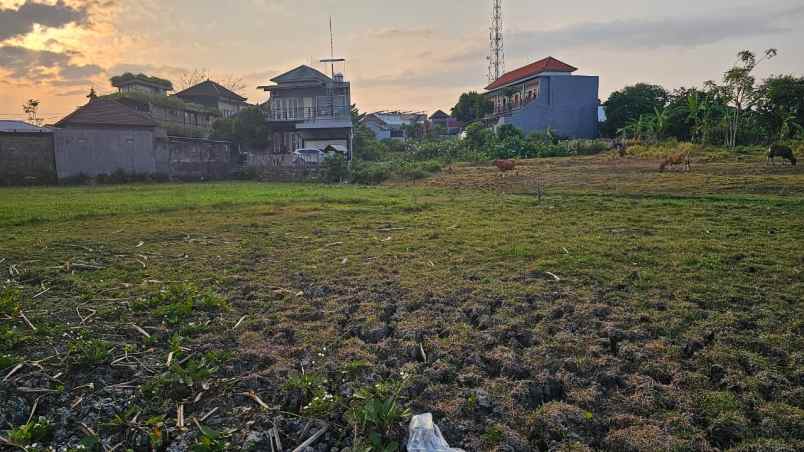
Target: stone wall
[196, 159]
[27, 158]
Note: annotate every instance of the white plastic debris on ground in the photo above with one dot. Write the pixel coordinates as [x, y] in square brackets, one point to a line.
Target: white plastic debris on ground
[425, 436]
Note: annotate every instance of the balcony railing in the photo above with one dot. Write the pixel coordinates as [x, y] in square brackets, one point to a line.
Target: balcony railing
[308, 114]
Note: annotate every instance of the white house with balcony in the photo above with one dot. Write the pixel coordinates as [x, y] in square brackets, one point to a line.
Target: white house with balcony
[309, 110]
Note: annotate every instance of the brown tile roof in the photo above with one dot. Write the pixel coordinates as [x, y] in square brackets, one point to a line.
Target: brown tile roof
[548, 64]
[210, 89]
[439, 114]
[106, 112]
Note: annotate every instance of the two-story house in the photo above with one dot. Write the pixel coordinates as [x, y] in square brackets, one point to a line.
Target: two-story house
[141, 83]
[546, 95]
[309, 110]
[212, 95]
[445, 124]
[178, 116]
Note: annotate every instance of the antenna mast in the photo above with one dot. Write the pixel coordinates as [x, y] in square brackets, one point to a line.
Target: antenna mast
[331, 46]
[496, 45]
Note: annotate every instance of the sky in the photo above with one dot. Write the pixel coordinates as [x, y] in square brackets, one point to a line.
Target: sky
[417, 55]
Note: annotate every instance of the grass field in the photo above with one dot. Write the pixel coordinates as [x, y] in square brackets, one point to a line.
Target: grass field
[627, 310]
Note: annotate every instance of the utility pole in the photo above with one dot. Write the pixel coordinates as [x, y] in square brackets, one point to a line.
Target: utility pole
[496, 43]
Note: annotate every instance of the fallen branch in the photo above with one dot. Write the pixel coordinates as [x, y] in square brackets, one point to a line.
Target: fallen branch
[33, 409]
[141, 331]
[41, 293]
[313, 438]
[239, 322]
[180, 415]
[22, 314]
[253, 396]
[206, 416]
[13, 371]
[553, 275]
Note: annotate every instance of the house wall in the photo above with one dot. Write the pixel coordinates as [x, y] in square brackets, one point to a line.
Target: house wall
[568, 105]
[379, 132]
[26, 158]
[95, 151]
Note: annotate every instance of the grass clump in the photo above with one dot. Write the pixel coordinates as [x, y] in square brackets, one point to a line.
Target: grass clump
[85, 352]
[376, 415]
[31, 434]
[183, 375]
[179, 302]
[10, 302]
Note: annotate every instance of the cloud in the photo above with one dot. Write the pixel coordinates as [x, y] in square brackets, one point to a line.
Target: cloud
[73, 72]
[21, 21]
[44, 65]
[401, 33]
[644, 34]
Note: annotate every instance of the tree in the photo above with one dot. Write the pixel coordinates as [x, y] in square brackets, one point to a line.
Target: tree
[191, 78]
[629, 104]
[31, 108]
[472, 106]
[248, 128]
[738, 88]
[781, 106]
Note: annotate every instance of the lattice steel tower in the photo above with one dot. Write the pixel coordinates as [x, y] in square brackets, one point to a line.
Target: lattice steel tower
[496, 49]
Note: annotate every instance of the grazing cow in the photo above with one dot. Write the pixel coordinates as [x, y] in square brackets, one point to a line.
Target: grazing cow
[784, 152]
[505, 165]
[682, 158]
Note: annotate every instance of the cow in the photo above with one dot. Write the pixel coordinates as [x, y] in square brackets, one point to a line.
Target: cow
[682, 158]
[505, 165]
[784, 152]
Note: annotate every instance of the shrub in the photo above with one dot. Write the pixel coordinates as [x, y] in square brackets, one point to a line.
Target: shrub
[335, 169]
[370, 173]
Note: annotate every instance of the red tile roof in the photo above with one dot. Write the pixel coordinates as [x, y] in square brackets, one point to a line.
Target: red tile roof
[548, 64]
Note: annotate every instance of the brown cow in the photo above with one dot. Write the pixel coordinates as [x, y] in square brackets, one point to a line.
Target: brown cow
[505, 165]
[784, 152]
[682, 158]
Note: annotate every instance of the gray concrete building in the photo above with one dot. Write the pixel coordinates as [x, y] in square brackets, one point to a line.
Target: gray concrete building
[308, 109]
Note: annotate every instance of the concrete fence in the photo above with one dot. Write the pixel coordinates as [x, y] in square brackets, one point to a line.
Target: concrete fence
[27, 158]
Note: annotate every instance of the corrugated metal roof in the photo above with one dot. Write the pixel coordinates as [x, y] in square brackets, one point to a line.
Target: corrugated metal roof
[21, 127]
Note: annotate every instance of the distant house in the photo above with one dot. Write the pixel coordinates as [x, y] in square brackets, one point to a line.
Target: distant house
[26, 154]
[107, 136]
[309, 110]
[446, 123]
[103, 137]
[141, 83]
[546, 95]
[393, 125]
[179, 116]
[214, 96]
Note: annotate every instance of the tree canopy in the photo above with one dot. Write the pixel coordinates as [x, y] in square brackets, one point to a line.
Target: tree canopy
[630, 103]
[471, 106]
